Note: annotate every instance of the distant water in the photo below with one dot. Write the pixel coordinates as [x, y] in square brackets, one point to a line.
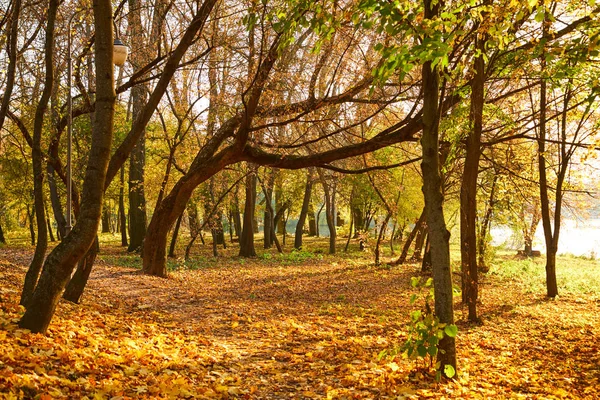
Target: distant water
[579, 238]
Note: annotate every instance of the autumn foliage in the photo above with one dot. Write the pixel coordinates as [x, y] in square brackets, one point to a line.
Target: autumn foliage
[290, 326]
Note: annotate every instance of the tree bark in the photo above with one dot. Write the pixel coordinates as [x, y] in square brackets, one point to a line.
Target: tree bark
[76, 285]
[122, 215]
[60, 262]
[434, 200]
[12, 50]
[303, 211]
[485, 226]
[329, 210]
[269, 229]
[468, 189]
[174, 237]
[137, 158]
[38, 172]
[247, 238]
[312, 223]
[48, 223]
[549, 236]
[55, 203]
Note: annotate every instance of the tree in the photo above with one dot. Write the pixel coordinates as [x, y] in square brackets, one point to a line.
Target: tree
[60, 262]
[434, 200]
[38, 170]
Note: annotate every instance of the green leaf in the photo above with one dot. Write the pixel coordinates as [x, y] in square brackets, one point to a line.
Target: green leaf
[414, 281]
[422, 351]
[451, 330]
[432, 350]
[449, 370]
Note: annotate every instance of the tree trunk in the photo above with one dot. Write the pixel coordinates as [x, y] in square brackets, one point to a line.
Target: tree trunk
[359, 220]
[235, 213]
[137, 158]
[351, 224]
[2, 238]
[60, 262]
[31, 217]
[380, 238]
[122, 215]
[419, 241]
[49, 224]
[434, 199]
[312, 223]
[485, 226]
[174, 237]
[55, 203]
[38, 172]
[105, 219]
[12, 50]
[279, 201]
[78, 282]
[468, 189]
[551, 244]
[410, 238]
[318, 220]
[329, 210]
[247, 238]
[426, 261]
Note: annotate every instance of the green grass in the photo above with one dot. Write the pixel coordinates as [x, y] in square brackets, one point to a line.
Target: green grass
[575, 275]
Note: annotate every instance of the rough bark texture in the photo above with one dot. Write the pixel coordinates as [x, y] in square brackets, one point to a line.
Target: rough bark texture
[303, 211]
[76, 285]
[247, 238]
[38, 172]
[468, 189]
[61, 261]
[137, 158]
[434, 199]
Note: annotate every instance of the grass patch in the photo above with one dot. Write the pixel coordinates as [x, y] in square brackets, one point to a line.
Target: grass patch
[575, 275]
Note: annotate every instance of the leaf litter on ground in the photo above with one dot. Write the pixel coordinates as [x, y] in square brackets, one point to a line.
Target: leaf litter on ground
[257, 329]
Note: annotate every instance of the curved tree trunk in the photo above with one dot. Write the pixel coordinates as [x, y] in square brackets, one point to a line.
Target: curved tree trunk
[13, 35]
[60, 262]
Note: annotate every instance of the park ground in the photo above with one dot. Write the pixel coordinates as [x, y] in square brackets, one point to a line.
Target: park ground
[302, 325]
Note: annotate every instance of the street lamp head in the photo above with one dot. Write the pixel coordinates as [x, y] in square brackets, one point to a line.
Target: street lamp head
[120, 52]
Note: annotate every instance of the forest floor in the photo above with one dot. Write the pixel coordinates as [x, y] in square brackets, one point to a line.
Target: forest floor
[301, 325]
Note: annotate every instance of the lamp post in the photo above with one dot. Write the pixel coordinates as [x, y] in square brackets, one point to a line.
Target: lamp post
[120, 52]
